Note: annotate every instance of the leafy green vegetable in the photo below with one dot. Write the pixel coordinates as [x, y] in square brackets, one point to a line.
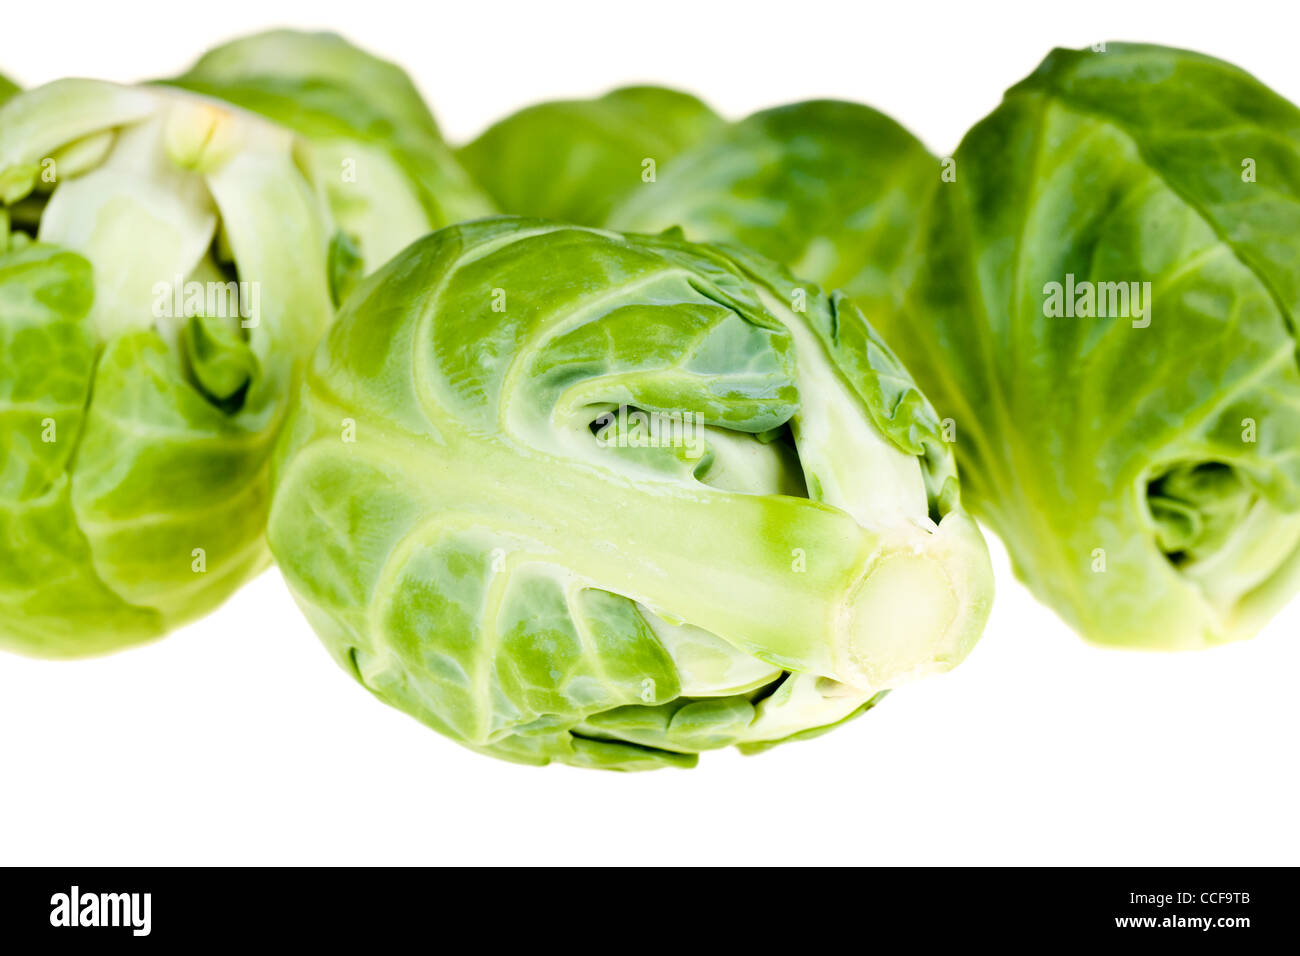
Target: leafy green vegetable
[831, 189]
[1138, 460]
[571, 160]
[7, 88]
[162, 279]
[389, 175]
[563, 494]
[1136, 446]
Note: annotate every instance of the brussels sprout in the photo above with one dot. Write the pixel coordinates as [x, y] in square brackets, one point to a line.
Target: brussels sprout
[7, 88]
[833, 190]
[389, 175]
[563, 494]
[162, 278]
[1108, 311]
[571, 160]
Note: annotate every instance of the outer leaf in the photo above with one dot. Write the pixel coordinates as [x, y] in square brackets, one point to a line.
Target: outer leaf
[833, 190]
[1114, 452]
[470, 550]
[51, 587]
[572, 160]
[389, 175]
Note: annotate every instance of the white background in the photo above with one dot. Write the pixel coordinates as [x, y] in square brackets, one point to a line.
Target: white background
[237, 740]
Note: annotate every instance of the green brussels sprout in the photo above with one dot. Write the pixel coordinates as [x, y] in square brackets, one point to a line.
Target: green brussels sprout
[572, 160]
[564, 494]
[162, 280]
[832, 190]
[8, 88]
[389, 176]
[1108, 308]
